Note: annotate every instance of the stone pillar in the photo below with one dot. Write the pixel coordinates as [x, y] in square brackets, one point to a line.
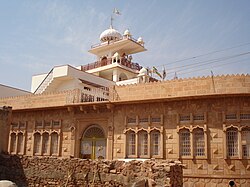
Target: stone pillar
[5, 117]
[110, 138]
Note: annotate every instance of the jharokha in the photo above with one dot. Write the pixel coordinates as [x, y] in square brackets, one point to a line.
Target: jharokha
[114, 109]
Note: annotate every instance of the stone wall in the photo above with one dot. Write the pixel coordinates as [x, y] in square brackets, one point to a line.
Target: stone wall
[5, 115]
[229, 84]
[47, 171]
[31, 101]
[200, 86]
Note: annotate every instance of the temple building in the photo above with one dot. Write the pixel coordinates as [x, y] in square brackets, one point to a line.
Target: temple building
[114, 109]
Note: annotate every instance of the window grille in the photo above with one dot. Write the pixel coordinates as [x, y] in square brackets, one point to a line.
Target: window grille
[12, 142]
[198, 117]
[22, 125]
[39, 124]
[54, 143]
[14, 125]
[47, 124]
[155, 141]
[143, 143]
[245, 137]
[244, 116]
[56, 123]
[131, 120]
[37, 143]
[232, 142]
[20, 143]
[155, 120]
[143, 120]
[185, 148]
[199, 143]
[231, 116]
[45, 147]
[131, 143]
[185, 118]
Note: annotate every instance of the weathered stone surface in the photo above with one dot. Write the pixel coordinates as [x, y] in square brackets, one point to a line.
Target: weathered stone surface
[48, 171]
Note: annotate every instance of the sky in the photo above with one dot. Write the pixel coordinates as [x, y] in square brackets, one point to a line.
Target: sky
[186, 38]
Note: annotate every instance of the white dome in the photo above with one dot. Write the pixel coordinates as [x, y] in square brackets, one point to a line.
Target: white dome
[143, 71]
[110, 34]
[140, 40]
[127, 33]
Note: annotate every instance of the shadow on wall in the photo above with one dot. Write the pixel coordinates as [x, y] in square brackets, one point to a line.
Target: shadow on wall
[11, 169]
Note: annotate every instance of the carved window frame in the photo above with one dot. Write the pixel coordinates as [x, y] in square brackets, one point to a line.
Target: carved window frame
[239, 130]
[149, 131]
[19, 128]
[192, 129]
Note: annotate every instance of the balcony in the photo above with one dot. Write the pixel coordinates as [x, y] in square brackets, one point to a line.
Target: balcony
[106, 61]
[110, 42]
[129, 46]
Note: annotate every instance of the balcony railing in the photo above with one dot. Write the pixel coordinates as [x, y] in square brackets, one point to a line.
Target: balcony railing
[110, 42]
[123, 61]
[88, 95]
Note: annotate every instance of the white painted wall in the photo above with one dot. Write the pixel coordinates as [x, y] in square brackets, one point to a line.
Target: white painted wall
[67, 78]
[129, 81]
[36, 81]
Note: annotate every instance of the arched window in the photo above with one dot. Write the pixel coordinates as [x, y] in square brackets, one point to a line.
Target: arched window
[232, 142]
[37, 143]
[45, 147]
[155, 142]
[185, 145]
[245, 139]
[13, 142]
[93, 143]
[131, 143]
[143, 143]
[20, 143]
[94, 132]
[54, 143]
[199, 142]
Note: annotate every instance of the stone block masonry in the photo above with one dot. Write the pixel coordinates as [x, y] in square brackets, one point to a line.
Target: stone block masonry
[48, 171]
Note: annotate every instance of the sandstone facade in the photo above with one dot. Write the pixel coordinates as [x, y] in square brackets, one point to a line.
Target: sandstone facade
[5, 119]
[203, 122]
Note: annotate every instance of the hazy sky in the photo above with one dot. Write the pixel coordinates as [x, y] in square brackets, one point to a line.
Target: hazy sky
[37, 35]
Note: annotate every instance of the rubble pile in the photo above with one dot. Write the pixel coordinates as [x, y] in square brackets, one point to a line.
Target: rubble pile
[49, 171]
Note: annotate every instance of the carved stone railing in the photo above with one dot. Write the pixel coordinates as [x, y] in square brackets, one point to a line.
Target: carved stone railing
[88, 95]
[123, 61]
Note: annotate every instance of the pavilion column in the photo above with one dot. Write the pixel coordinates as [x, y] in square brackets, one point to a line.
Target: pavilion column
[115, 75]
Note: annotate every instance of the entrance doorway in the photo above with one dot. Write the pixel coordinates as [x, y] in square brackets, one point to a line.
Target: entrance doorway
[93, 143]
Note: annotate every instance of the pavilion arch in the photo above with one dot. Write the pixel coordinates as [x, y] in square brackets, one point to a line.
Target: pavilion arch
[123, 77]
[93, 143]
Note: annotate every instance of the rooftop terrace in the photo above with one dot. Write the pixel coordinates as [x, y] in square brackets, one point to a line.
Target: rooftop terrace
[167, 90]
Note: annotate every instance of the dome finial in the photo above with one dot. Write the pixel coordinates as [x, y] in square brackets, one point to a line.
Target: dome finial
[116, 12]
[111, 22]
